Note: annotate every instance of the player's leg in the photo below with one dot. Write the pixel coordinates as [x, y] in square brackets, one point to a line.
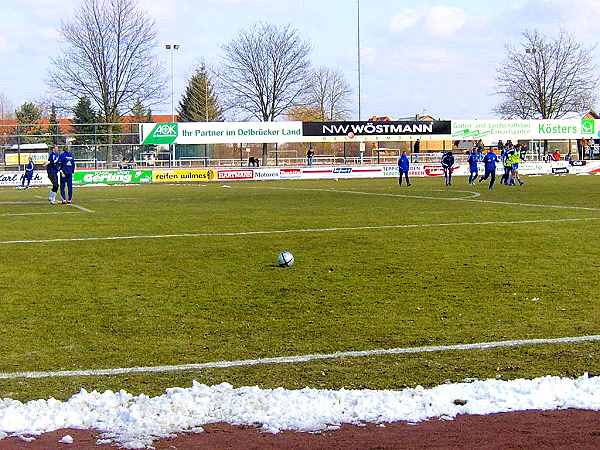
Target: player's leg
[63, 182]
[407, 180]
[492, 179]
[70, 187]
[51, 188]
[54, 187]
[518, 178]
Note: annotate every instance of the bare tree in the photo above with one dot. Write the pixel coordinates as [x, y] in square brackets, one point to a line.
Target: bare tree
[109, 58]
[546, 78]
[329, 92]
[7, 109]
[265, 71]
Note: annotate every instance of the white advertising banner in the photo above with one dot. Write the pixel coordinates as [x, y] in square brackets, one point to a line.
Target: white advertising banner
[417, 170]
[15, 178]
[222, 132]
[494, 130]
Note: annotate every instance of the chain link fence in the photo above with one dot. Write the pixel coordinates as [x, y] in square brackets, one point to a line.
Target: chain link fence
[117, 145]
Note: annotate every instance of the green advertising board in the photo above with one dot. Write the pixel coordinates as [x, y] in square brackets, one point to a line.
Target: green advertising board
[87, 177]
[162, 134]
[588, 126]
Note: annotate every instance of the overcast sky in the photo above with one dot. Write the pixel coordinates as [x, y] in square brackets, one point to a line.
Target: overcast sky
[437, 57]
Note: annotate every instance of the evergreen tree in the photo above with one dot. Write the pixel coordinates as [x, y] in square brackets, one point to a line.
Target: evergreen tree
[83, 116]
[199, 102]
[140, 113]
[53, 127]
[28, 117]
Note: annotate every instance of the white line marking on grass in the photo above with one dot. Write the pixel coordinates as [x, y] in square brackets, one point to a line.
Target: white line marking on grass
[299, 359]
[425, 197]
[299, 230]
[116, 199]
[81, 208]
[38, 213]
[471, 193]
[21, 202]
[378, 194]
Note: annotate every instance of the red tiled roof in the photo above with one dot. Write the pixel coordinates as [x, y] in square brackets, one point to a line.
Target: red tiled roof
[66, 122]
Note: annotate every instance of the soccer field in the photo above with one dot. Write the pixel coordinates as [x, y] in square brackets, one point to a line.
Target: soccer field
[168, 275]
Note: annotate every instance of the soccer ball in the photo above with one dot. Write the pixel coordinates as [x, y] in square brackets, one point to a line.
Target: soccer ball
[285, 259]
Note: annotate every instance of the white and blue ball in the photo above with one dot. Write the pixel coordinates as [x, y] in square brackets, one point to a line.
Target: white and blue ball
[285, 259]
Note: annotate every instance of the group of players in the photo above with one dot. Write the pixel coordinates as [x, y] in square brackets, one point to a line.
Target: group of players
[510, 156]
[60, 165]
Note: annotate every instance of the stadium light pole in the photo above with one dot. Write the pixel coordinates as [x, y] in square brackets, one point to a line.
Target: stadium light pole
[172, 48]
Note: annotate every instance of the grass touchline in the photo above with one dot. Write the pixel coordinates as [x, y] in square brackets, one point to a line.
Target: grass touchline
[300, 230]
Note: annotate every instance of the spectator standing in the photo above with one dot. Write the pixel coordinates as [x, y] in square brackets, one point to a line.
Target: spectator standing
[416, 149]
[310, 154]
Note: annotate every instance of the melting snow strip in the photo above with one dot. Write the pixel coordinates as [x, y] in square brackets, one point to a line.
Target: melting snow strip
[136, 421]
[300, 358]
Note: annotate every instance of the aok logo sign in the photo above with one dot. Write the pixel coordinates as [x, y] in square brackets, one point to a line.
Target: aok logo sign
[163, 133]
[588, 126]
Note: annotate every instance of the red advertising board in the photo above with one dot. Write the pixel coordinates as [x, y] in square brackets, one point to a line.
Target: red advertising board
[236, 174]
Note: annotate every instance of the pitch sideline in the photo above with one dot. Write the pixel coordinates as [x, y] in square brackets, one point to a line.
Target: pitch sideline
[294, 231]
[472, 198]
[299, 359]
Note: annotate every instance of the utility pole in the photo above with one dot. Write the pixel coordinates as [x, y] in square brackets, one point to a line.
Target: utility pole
[358, 51]
[172, 48]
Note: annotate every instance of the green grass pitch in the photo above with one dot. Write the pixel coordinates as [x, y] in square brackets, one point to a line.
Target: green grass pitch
[174, 300]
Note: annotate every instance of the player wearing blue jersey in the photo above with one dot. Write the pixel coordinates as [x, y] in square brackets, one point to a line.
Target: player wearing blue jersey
[473, 169]
[448, 166]
[52, 171]
[403, 167]
[66, 164]
[490, 161]
[28, 175]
